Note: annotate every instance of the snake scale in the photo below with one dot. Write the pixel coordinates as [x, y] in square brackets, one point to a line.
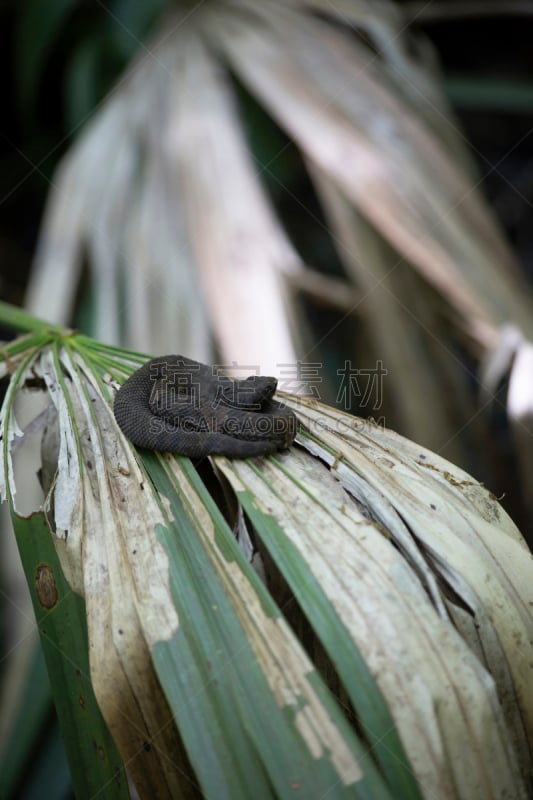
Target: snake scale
[175, 404]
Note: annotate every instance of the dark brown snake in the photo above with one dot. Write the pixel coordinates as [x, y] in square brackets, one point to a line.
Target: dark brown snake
[175, 404]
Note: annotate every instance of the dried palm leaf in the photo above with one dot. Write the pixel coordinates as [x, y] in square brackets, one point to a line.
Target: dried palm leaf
[181, 238]
[414, 585]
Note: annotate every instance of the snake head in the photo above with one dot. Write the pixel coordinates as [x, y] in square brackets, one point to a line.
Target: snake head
[249, 394]
[256, 390]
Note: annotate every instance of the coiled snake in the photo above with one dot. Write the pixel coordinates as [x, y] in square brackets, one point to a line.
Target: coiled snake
[175, 404]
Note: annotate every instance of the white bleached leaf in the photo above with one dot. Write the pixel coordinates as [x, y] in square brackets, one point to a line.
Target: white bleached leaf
[422, 542]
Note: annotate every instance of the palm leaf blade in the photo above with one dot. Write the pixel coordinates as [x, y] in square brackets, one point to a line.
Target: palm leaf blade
[270, 705]
[94, 761]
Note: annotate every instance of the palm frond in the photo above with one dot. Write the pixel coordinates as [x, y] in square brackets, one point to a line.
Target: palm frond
[390, 633]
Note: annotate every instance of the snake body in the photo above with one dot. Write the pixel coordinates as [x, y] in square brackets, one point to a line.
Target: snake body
[175, 404]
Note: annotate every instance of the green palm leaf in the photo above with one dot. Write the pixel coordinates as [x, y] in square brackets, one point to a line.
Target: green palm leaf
[336, 623]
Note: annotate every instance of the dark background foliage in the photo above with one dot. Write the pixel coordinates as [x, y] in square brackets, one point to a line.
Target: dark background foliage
[58, 64]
